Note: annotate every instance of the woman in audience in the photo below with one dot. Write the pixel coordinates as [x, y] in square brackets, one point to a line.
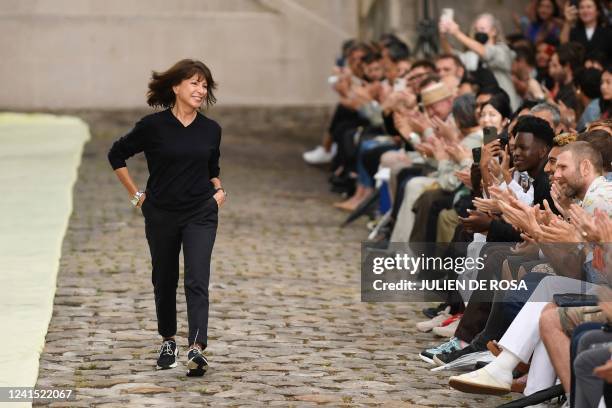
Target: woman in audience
[547, 24]
[486, 46]
[544, 52]
[605, 102]
[587, 25]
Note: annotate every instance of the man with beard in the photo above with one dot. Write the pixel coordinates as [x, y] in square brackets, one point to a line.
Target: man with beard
[534, 138]
[563, 67]
[578, 175]
[578, 172]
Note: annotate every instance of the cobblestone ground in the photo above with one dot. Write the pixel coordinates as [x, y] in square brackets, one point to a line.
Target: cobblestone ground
[287, 327]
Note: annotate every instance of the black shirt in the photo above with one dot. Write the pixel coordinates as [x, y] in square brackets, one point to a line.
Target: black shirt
[181, 159]
[600, 41]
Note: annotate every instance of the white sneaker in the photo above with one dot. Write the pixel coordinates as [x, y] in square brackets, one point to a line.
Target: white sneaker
[319, 156]
[427, 325]
[446, 331]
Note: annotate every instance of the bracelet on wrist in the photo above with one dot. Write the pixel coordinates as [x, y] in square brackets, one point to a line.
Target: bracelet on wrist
[136, 198]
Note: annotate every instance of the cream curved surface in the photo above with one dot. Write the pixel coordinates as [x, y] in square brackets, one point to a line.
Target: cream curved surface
[39, 159]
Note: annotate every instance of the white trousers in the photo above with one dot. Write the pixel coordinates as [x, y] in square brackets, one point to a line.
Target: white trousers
[523, 336]
[405, 217]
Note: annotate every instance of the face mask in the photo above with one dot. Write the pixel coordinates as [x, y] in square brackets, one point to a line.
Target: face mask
[481, 37]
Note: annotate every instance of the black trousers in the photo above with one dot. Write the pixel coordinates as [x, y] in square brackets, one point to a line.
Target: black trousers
[166, 231]
[478, 308]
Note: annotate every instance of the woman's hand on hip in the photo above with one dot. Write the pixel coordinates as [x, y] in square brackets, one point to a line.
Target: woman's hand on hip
[220, 198]
[143, 197]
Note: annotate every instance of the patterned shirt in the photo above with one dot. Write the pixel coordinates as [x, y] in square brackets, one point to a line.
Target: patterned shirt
[598, 195]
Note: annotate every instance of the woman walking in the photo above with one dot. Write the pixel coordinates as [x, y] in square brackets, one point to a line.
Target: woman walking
[181, 201]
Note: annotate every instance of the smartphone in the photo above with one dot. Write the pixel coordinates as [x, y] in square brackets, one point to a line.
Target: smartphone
[503, 139]
[448, 14]
[489, 134]
[476, 152]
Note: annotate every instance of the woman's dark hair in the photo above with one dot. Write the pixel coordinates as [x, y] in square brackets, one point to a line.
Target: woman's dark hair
[527, 104]
[556, 11]
[596, 56]
[588, 80]
[572, 54]
[160, 87]
[501, 102]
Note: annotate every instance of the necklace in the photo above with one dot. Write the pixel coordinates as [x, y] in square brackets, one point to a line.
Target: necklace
[179, 119]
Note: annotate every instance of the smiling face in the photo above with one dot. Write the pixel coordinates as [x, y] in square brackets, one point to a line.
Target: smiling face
[528, 153]
[551, 164]
[568, 174]
[489, 116]
[448, 67]
[542, 55]
[587, 11]
[555, 69]
[440, 109]
[191, 91]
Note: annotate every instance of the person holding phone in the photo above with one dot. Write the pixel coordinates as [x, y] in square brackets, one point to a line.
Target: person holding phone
[486, 44]
[181, 201]
[585, 23]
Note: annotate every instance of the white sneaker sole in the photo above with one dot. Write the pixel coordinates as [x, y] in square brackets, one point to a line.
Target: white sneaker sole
[196, 370]
[426, 359]
[474, 388]
[167, 368]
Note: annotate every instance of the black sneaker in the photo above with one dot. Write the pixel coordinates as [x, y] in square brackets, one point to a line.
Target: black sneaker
[432, 312]
[445, 358]
[196, 363]
[167, 355]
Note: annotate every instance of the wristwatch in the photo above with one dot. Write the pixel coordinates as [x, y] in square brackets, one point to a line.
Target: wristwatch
[136, 198]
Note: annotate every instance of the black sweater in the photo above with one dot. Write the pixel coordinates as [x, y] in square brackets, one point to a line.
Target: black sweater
[181, 159]
[600, 41]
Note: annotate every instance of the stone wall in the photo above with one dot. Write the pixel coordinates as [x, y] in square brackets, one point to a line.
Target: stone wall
[91, 54]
